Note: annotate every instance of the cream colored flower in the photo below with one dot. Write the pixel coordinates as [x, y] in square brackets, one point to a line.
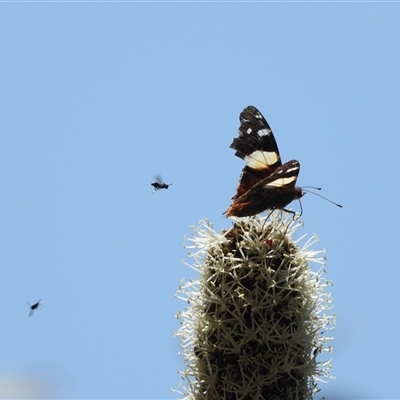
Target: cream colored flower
[257, 315]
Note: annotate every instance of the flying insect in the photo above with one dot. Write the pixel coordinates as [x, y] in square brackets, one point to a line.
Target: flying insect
[33, 307]
[159, 184]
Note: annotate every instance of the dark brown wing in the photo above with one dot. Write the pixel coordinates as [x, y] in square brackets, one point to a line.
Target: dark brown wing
[275, 191]
[256, 145]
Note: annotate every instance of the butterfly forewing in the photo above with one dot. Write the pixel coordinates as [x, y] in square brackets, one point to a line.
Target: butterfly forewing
[256, 145]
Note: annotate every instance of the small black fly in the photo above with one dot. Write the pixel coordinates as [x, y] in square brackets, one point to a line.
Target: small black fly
[159, 184]
[33, 307]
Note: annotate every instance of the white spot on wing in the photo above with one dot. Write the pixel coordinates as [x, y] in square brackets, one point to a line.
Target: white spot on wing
[259, 159]
[292, 169]
[281, 182]
[264, 132]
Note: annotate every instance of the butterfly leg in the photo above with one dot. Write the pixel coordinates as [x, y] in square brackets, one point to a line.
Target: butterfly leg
[266, 219]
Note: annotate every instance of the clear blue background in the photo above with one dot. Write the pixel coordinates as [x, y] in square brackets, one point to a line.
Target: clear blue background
[97, 98]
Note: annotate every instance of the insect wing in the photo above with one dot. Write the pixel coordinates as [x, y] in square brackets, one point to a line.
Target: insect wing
[256, 145]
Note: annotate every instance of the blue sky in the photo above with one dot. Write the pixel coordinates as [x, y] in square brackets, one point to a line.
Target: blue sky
[98, 98]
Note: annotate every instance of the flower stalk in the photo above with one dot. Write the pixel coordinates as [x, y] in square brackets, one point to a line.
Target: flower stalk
[256, 316]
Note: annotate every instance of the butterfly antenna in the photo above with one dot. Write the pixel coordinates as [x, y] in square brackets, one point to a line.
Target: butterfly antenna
[312, 187]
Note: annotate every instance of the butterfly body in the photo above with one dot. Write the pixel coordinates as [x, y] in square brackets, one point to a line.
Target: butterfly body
[265, 183]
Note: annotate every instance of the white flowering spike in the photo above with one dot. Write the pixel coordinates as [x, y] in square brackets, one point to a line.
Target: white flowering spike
[257, 314]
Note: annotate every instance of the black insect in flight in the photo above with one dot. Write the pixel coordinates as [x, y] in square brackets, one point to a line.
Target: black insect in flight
[159, 184]
[33, 307]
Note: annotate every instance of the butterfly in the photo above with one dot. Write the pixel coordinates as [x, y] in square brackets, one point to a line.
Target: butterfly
[265, 183]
